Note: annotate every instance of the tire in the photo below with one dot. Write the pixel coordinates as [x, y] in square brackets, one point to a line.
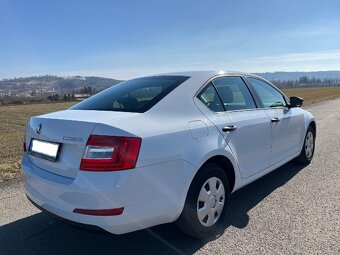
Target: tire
[209, 222]
[307, 151]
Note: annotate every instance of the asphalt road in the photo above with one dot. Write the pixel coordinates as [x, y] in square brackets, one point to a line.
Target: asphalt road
[293, 210]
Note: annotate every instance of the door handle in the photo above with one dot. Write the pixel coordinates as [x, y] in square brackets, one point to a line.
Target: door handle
[275, 120]
[229, 128]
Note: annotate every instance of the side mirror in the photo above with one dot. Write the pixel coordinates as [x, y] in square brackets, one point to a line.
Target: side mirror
[295, 102]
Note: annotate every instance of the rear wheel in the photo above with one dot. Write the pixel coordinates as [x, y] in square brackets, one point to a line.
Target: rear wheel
[206, 203]
[307, 152]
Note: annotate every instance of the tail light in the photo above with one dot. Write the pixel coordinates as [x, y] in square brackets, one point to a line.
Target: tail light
[110, 153]
[24, 145]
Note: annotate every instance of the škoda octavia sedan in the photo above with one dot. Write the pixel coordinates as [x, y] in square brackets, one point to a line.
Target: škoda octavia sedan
[163, 148]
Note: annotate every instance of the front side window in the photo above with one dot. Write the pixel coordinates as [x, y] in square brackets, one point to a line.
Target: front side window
[137, 95]
[234, 93]
[269, 96]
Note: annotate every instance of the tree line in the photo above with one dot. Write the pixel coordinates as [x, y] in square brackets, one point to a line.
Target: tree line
[306, 82]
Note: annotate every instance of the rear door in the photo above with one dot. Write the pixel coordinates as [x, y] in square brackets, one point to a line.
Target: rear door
[286, 124]
[245, 127]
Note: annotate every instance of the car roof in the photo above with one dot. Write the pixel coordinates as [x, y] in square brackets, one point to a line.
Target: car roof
[207, 74]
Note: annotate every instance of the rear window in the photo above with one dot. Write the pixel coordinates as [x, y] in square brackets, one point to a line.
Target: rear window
[137, 95]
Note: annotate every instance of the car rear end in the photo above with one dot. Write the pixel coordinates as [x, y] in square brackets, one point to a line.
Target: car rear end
[87, 166]
[73, 173]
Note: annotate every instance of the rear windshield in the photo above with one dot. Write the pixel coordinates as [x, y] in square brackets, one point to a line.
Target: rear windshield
[137, 95]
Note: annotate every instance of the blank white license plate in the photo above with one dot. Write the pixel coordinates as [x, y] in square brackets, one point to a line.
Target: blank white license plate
[44, 149]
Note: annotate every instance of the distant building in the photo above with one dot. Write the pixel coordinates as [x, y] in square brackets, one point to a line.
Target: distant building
[80, 97]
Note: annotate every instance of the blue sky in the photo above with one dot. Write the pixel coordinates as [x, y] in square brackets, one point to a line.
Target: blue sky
[124, 39]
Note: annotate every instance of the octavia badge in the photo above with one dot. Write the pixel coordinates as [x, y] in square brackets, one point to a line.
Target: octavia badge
[38, 129]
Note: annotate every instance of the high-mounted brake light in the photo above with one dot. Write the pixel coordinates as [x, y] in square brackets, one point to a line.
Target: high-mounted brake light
[110, 153]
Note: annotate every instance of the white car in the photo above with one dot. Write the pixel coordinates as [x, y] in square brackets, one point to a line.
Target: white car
[163, 148]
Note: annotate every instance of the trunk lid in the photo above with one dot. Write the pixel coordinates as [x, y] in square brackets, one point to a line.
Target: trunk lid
[71, 129]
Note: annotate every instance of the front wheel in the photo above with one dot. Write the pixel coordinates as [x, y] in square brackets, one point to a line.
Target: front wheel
[206, 203]
[307, 152]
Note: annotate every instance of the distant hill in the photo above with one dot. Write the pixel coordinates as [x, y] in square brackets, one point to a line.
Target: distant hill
[51, 83]
[292, 76]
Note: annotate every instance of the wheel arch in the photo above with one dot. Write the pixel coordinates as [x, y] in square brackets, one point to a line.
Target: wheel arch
[227, 166]
[313, 125]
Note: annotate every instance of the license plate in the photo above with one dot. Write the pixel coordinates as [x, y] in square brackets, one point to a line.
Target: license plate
[44, 149]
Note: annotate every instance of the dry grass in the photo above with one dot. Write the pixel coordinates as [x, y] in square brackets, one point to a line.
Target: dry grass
[13, 120]
[314, 95]
[12, 124]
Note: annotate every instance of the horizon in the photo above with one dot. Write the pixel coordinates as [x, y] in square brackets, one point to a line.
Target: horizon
[94, 39]
[89, 76]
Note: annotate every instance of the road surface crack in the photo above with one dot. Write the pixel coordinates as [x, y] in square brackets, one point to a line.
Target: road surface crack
[3, 198]
[41, 232]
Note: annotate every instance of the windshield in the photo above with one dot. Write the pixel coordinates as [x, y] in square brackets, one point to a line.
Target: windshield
[137, 95]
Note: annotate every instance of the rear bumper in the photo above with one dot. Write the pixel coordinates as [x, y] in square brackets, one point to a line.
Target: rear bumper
[150, 195]
[73, 223]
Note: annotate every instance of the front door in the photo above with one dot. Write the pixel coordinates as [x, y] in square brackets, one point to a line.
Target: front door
[286, 123]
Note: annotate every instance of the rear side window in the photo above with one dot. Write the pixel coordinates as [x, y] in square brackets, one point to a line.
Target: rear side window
[234, 93]
[210, 98]
[138, 95]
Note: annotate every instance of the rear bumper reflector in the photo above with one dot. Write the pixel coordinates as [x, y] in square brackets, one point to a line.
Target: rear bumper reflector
[101, 212]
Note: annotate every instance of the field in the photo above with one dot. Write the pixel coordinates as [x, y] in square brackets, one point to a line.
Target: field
[314, 95]
[12, 124]
[13, 120]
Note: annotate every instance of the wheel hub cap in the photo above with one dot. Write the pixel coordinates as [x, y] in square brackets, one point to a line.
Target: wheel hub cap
[309, 145]
[210, 202]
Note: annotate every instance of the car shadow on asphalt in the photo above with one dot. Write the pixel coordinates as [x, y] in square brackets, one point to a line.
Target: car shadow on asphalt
[41, 234]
